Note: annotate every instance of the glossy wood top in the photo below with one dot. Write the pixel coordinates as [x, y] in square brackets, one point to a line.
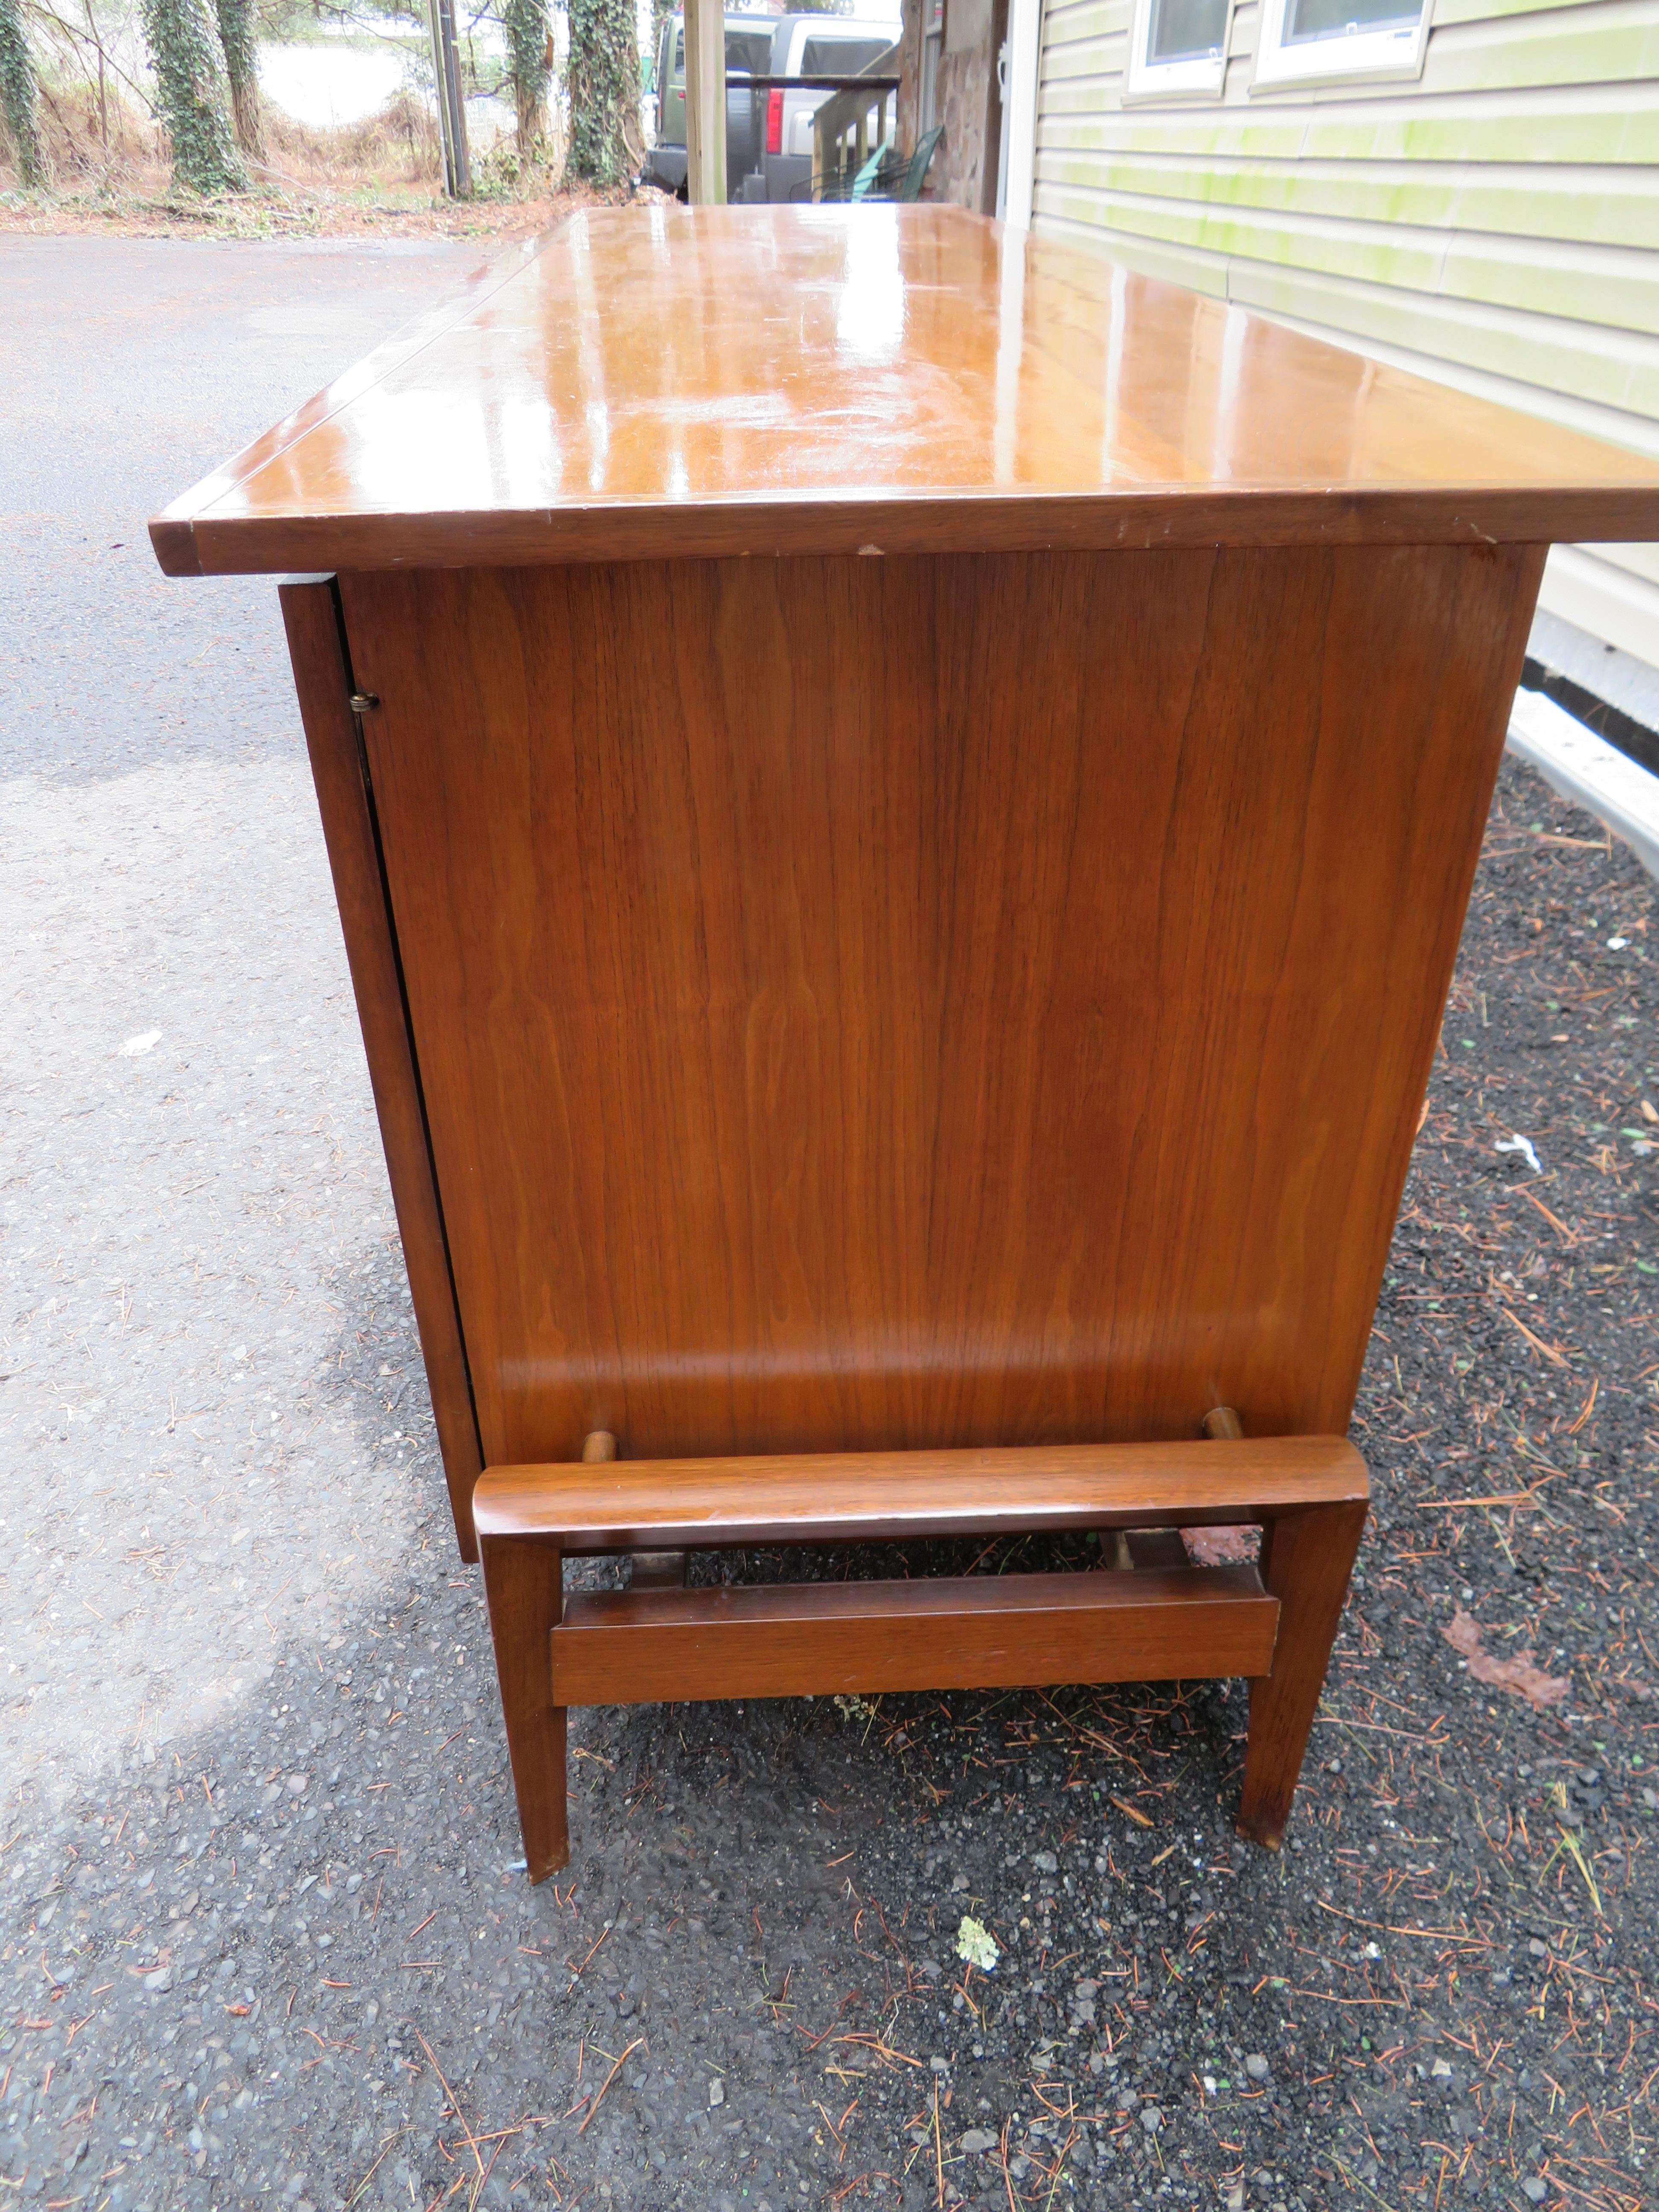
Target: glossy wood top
[654, 381]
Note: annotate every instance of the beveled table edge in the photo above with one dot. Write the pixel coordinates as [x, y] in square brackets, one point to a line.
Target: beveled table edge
[171, 528]
[877, 523]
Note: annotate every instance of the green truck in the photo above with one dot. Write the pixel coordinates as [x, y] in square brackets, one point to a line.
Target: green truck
[769, 130]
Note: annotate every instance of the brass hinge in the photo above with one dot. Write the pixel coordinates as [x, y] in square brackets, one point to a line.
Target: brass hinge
[362, 703]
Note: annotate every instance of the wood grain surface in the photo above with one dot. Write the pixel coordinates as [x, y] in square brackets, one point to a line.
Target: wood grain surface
[664, 382]
[853, 1498]
[967, 1632]
[524, 1585]
[877, 1004]
[323, 681]
[1306, 1563]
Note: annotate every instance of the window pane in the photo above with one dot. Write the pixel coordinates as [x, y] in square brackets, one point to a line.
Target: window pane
[840, 56]
[1184, 30]
[1334, 19]
[750, 54]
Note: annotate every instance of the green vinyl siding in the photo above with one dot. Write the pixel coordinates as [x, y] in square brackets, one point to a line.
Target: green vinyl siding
[1502, 202]
[1612, 286]
[1596, 127]
[1583, 44]
[1098, 19]
[1448, 12]
[1495, 221]
[1641, 561]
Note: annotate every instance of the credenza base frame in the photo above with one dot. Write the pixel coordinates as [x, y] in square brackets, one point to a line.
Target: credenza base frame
[1272, 1624]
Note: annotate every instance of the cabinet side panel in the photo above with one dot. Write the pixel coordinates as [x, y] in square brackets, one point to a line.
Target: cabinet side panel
[323, 681]
[887, 1003]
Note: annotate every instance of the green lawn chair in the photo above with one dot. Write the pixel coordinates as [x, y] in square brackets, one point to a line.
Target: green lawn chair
[867, 183]
[916, 172]
[886, 175]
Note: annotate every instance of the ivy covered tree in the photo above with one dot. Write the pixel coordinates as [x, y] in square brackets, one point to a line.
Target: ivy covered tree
[530, 65]
[17, 95]
[236, 35]
[605, 90]
[189, 92]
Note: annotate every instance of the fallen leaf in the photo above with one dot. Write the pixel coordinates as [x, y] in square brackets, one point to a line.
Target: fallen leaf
[1222, 1547]
[1518, 1675]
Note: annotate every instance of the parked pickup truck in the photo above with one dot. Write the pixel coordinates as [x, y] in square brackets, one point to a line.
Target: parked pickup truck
[769, 133]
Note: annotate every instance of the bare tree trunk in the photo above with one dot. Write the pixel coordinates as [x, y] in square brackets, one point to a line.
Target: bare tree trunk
[236, 35]
[17, 95]
[183, 54]
[605, 90]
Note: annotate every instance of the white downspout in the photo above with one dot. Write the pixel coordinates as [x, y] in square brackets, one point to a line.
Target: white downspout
[1025, 44]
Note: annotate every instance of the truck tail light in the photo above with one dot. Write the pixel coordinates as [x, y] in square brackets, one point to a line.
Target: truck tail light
[774, 122]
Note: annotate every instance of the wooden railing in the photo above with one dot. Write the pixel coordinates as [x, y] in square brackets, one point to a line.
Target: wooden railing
[847, 129]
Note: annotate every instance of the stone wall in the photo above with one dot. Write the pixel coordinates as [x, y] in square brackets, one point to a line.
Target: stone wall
[965, 99]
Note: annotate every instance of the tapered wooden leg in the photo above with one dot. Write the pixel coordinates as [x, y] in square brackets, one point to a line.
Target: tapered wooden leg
[1306, 1560]
[523, 1582]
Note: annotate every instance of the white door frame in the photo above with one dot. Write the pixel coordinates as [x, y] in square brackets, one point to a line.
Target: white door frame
[1024, 52]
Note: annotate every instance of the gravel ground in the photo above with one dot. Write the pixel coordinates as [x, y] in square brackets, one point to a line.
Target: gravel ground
[262, 1938]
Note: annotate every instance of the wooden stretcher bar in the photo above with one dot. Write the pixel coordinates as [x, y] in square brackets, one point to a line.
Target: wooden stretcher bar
[948, 1632]
[851, 1498]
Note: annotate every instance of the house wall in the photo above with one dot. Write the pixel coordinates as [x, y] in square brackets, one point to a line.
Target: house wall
[1495, 224]
[965, 99]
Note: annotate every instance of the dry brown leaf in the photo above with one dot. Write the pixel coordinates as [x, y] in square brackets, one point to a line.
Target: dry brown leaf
[1222, 1547]
[1518, 1675]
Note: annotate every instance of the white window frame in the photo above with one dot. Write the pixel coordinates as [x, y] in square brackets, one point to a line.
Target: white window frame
[1394, 55]
[1203, 77]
